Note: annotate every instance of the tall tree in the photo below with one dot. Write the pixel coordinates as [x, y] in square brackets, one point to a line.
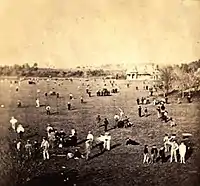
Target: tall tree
[166, 76]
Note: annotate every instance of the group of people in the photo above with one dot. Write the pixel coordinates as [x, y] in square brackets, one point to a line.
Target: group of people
[59, 140]
[170, 145]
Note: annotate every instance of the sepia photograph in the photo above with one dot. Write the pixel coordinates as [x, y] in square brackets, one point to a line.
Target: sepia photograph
[100, 93]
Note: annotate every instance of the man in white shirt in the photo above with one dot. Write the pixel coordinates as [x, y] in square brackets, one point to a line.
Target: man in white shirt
[174, 148]
[13, 122]
[90, 137]
[37, 101]
[107, 141]
[182, 152]
[45, 147]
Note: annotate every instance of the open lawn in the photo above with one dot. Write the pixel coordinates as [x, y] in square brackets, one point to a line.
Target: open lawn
[120, 166]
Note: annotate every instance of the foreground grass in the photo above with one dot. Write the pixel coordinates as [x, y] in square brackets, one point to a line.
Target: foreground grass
[122, 165]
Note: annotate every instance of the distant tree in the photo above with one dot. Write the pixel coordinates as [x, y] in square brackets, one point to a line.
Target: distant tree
[167, 76]
[35, 66]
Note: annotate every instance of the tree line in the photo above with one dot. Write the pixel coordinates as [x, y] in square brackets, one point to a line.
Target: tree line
[26, 70]
[184, 77]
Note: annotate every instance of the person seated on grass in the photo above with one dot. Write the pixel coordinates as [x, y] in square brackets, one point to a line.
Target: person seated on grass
[172, 122]
[179, 101]
[19, 103]
[20, 130]
[127, 123]
[131, 142]
[77, 154]
[62, 134]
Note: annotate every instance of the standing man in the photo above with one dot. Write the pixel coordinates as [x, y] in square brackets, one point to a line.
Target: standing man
[48, 110]
[13, 122]
[107, 141]
[174, 148]
[182, 152]
[87, 149]
[146, 155]
[37, 101]
[45, 147]
[154, 154]
[145, 111]
[140, 111]
[158, 112]
[81, 99]
[69, 106]
[138, 101]
[166, 142]
[106, 124]
[28, 148]
[98, 119]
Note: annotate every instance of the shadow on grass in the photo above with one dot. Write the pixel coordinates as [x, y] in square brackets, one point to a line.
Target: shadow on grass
[100, 145]
[82, 141]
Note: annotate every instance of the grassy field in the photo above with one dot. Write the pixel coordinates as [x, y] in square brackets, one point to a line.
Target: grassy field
[120, 166]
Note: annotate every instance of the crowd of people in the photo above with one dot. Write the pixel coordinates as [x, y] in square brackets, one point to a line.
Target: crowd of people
[55, 139]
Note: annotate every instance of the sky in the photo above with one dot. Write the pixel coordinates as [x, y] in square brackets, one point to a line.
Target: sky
[70, 33]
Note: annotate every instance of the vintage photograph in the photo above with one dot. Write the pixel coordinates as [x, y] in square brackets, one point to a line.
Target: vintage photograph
[100, 93]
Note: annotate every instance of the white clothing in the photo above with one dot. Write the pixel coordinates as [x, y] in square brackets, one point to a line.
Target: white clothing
[13, 122]
[20, 128]
[73, 131]
[182, 152]
[37, 103]
[19, 145]
[90, 137]
[45, 146]
[107, 142]
[174, 148]
[48, 129]
[116, 117]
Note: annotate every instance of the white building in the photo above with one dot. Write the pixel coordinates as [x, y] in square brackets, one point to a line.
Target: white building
[144, 72]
